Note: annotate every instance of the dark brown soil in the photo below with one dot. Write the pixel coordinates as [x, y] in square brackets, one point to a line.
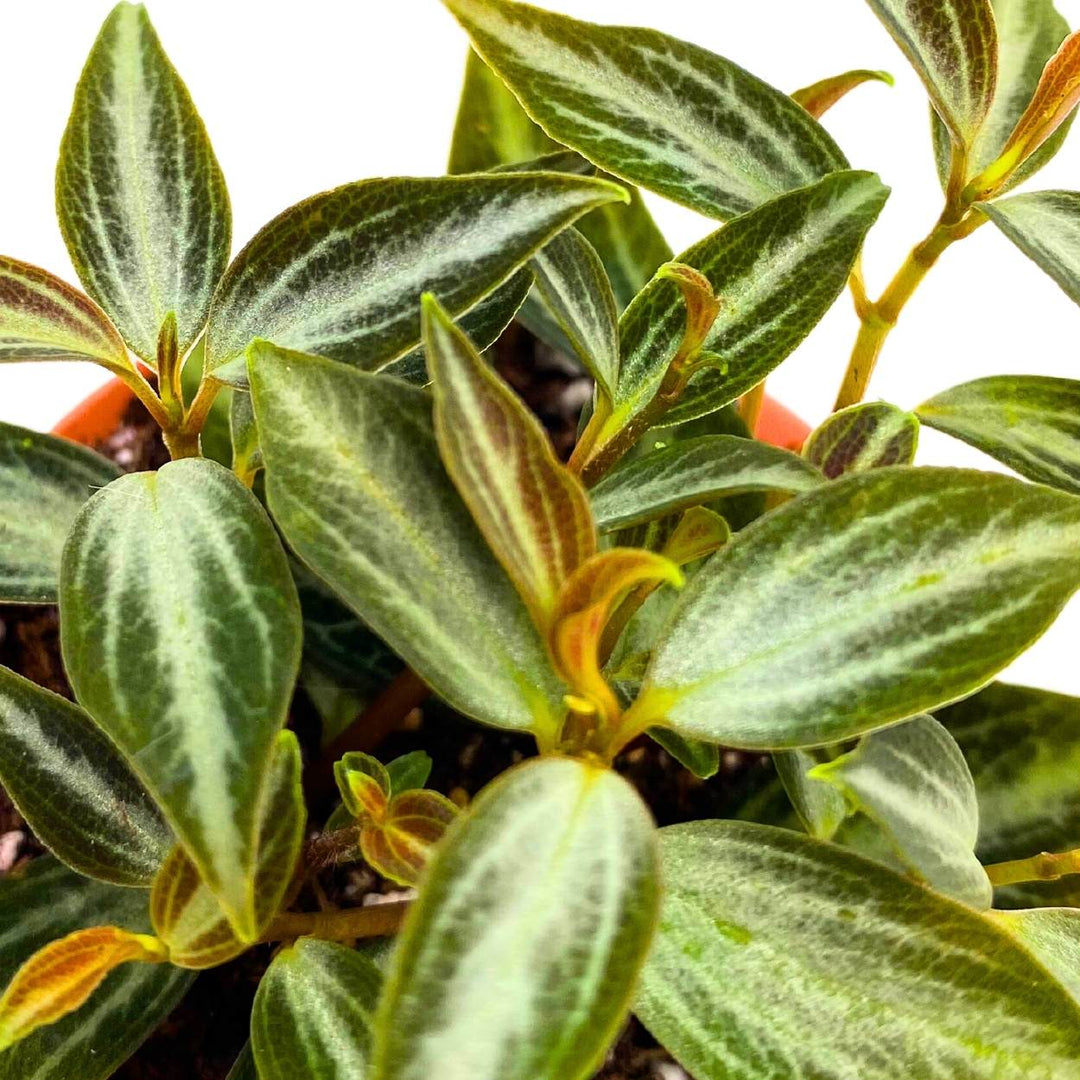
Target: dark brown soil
[204, 1034]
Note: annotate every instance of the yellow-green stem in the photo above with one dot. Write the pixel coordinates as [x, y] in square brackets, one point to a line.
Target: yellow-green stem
[378, 920]
[1042, 867]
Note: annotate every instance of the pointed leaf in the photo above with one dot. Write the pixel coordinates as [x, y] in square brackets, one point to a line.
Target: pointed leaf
[186, 914]
[912, 780]
[364, 784]
[341, 274]
[74, 788]
[821, 808]
[45, 902]
[952, 44]
[867, 436]
[532, 510]
[416, 570]
[776, 271]
[313, 1013]
[695, 471]
[701, 758]
[44, 482]
[877, 596]
[140, 196]
[399, 848]
[540, 838]
[726, 143]
[893, 980]
[1028, 422]
[572, 281]
[818, 98]
[44, 318]
[180, 630]
[409, 772]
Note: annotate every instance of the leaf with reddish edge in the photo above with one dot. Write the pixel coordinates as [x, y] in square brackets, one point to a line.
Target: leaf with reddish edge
[399, 847]
[867, 436]
[532, 510]
[364, 785]
[819, 97]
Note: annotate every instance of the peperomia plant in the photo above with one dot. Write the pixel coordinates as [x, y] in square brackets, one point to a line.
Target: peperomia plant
[362, 518]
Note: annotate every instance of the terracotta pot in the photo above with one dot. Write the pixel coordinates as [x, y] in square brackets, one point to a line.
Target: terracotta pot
[96, 418]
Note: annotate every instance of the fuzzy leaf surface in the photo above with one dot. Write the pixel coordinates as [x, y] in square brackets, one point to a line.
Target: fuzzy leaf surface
[874, 598]
[893, 979]
[180, 630]
[503, 896]
[867, 436]
[416, 570]
[821, 808]
[140, 196]
[1053, 935]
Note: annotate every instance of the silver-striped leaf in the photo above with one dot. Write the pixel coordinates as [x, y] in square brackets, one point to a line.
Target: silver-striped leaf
[866, 436]
[47, 901]
[348, 456]
[313, 1013]
[652, 109]
[693, 472]
[874, 598]
[782, 956]
[913, 782]
[341, 274]
[518, 960]
[180, 630]
[74, 788]
[140, 196]
[1053, 935]
[44, 482]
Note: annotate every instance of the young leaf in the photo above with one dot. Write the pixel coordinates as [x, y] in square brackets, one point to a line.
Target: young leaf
[695, 471]
[74, 789]
[701, 758]
[821, 808]
[878, 596]
[912, 781]
[572, 281]
[1053, 935]
[1045, 226]
[313, 1013]
[725, 143]
[341, 274]
[44, 902]
[776, 271]
[44, 482]
[894, 980]
[416, 570]
[698, 533]
[186, 914]
[1030, 423]
[60, 977]
[180, 631]
[953, 46]
[140, 196]
[364, 784]
[44, 318]
[532, 510]
[867, 436]
[557, 973]
[399, 847]
[818, 98]
[244, 437]
[409, 772]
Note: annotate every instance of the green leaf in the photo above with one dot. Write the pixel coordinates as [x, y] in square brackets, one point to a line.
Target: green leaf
[1030, 423]
[45, 902]
[244, 1066]
[44, 318]
[313, 1013]
[74, 789]
[364, 784]
[180, 630]
[1045, 226]
[44, 482]
[1053, 935]
[247, 459]
[341, 274]
[913, 782]
[953, 46]
[821, 808]
[776, 270]
[140, 196]
[576, 289]
[818, 98]
[867, 436]
[416, 570]
[701, 758]
[186, 914]
[876, 597]
[693, 472]
[1023, 749]
[724, 143]
[503, 897]
[409, 772]
[782, 956]
[533, 512]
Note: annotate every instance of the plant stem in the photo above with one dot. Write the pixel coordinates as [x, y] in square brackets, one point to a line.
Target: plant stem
[1042, 867]
[750, 406]
[378, 920]
[879, 318]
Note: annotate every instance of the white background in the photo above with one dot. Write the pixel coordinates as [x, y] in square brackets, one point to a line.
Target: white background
[299, 97]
